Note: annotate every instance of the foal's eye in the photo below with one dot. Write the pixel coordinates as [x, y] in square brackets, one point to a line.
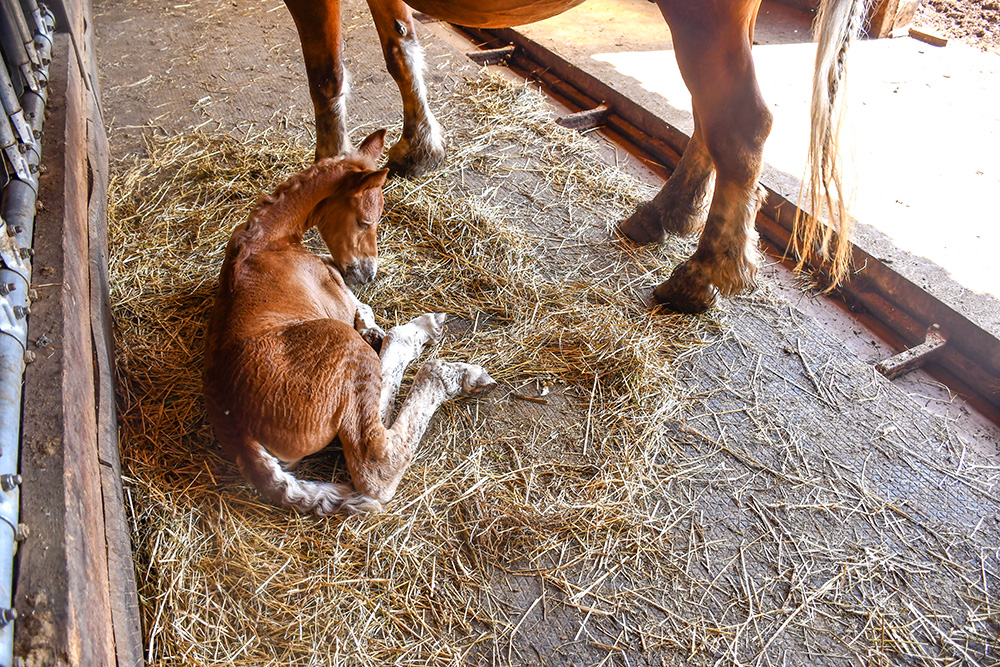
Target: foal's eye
[365, 224]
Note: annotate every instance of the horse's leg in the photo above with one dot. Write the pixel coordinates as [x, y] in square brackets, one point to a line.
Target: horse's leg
[318, 23]
[712, 42]
[682, 204]
[422, 146]
[377, 457]
[400, 347]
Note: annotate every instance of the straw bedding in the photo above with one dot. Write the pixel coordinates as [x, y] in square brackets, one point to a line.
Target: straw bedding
[795, 514]
[554, 473]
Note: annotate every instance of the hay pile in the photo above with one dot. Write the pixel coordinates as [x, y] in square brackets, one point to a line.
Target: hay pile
[567, 487]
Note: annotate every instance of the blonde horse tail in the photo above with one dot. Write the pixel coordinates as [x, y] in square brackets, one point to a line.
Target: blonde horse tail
[839, 22]
[282, 488]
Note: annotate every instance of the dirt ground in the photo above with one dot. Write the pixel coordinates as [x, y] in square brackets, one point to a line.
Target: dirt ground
[975, 22]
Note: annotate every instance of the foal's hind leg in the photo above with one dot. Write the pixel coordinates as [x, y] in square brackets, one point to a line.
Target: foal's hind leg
[400, 347]
[681, 206]
[422, 146]
[377, 462]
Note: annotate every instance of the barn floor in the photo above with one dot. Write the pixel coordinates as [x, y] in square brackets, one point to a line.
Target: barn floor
[782, 504]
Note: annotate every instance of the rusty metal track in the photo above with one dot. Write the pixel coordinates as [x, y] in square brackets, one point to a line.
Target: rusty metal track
[892, 306]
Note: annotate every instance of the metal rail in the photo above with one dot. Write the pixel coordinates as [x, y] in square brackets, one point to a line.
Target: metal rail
[23, 100]
[898, 310]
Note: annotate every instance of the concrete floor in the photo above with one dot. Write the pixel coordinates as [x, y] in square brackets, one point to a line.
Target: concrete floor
[927, 143]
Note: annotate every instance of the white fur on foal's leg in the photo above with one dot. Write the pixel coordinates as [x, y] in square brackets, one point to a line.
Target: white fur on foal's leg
[436, 382]
[400, 347]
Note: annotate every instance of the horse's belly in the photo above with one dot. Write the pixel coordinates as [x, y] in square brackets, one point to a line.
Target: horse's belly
[492, 13]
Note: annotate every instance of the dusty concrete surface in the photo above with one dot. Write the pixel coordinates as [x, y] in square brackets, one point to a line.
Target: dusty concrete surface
[794, 470]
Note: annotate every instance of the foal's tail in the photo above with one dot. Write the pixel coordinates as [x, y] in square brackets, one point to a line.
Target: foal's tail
[839, 22]
[278, 486]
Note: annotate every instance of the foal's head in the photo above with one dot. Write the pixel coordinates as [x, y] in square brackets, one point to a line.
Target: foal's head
[348, 219]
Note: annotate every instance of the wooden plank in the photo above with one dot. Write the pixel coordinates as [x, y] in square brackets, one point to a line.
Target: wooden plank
[62, 587]
[123, 595]
[928, 37]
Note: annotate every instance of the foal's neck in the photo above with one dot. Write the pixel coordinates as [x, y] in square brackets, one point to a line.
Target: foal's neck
[284, 214]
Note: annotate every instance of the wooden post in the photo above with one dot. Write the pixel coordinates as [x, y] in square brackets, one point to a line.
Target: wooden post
[887, 15]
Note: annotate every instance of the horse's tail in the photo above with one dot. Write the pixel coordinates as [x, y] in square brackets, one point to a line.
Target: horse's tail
[839, 22]
[278, 486]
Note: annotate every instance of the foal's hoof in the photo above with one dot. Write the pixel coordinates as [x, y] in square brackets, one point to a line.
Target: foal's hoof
[374, 336]
[688, 290]
[431, 324]
[644, 226]
[476, 380]
[456, 378]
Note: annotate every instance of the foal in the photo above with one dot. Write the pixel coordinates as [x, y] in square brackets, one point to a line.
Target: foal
[287, 365]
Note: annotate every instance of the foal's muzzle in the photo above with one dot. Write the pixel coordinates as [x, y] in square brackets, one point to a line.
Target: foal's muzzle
[361, 271]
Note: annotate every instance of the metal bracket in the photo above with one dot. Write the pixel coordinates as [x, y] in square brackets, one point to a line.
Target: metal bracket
[492, 56]
[915, 357]
[11, 255]
[13, 319]
[586, 120]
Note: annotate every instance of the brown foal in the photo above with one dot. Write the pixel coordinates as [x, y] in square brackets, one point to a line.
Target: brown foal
[289, 358]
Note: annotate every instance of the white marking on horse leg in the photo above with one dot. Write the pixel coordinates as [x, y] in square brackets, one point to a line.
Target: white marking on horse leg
[733, 249]
[727, 256]
[422, 146]
[400, 347]
[332, 138]
[431, 130]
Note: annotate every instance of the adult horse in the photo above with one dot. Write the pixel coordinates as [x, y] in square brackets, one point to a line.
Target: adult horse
[714, 187]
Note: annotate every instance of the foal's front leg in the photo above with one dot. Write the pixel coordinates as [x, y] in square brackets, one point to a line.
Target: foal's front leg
[364, 323]
[400, 347]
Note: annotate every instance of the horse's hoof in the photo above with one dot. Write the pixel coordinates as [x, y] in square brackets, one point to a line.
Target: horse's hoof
[423, 153]
[412, 165]
[686, 291]
[644, 226]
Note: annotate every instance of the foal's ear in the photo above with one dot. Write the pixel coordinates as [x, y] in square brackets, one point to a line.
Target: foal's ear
[372, 179]
[373, 144]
